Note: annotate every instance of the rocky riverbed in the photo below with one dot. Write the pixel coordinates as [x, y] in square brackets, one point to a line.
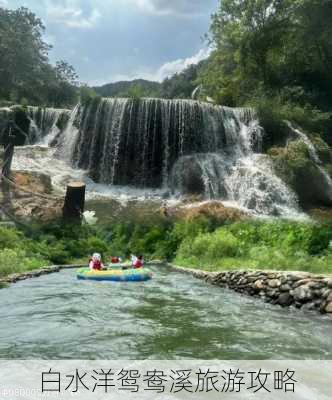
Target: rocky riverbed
[299, 289]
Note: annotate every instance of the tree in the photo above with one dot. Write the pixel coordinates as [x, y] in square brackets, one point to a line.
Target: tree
[279, 49]
[22, 50]
[25, 71]
[181, 85]
[66, 73]
[86, 94]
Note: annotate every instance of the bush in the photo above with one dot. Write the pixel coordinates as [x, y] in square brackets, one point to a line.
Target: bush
[9, 238]
[209, 248]
[261, 244]
[13, 261]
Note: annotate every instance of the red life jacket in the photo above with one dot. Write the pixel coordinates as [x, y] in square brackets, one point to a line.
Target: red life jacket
[138, 263]
[96, 265]
[114, 260]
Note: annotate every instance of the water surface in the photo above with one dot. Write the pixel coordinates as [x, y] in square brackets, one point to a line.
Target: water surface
[172, 316]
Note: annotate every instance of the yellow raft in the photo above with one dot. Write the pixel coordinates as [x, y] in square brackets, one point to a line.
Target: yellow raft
[115, 275]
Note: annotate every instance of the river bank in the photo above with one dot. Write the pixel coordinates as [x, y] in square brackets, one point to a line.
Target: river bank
[22, 276]
[285, 288]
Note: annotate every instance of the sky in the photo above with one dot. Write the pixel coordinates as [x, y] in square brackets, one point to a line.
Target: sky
[111, 40]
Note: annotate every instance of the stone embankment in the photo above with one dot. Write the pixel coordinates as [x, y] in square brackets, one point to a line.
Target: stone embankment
[13, 278]
[299, 289]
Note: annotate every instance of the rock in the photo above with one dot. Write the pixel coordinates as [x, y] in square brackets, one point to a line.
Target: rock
[36, 182]
[302, 293]
[328, 282]
[274, 283]
[272, 293]
[325, 293]
[298, 276]
[259, 285]
[212, 209]
[328, 307]
[301, 290]
[285, 300]
[285, 288]
[316, 285]
[283, 280]
[302, 282]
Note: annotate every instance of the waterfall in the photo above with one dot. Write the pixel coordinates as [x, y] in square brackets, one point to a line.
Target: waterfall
[181, 146]
[171, 147]
[313, 156]
[46, 123]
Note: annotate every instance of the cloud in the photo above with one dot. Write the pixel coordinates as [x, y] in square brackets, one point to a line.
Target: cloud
[180, 8]
[173, 67]
[72, 15]
[4, 3]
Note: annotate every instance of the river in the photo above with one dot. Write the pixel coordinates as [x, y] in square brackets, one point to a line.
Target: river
[173, 316]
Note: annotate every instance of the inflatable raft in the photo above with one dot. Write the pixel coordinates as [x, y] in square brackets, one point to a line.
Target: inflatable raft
[115, 275]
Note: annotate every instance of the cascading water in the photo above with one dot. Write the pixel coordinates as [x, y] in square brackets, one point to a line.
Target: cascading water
[46, 124]
[314, 157]
[155, 147]
[182, 146]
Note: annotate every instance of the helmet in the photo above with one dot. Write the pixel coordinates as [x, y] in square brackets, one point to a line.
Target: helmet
[96, 256]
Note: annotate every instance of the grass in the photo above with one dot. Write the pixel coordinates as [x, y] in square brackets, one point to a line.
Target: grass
[266, 245]
[317, 265]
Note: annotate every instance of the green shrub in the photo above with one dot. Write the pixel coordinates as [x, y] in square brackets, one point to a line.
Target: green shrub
[209, 247]
[9, 238]
[13, 261]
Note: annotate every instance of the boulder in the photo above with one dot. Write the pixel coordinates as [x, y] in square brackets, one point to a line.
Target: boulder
[274, 283]
[302, 293]
[285, 288]
[328, 307]
[188, 175]
[259, 285]
[285, 299]
[328, 282]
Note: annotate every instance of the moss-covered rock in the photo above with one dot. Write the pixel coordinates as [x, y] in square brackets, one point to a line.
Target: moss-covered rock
[294, 165]
[323, 149]
[212, 210]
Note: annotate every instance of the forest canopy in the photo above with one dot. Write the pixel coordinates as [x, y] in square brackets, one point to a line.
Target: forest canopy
[273, 53]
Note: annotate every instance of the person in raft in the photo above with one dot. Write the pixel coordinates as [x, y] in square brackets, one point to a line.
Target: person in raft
[137, 262]
[95, 262]
[116, 260]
